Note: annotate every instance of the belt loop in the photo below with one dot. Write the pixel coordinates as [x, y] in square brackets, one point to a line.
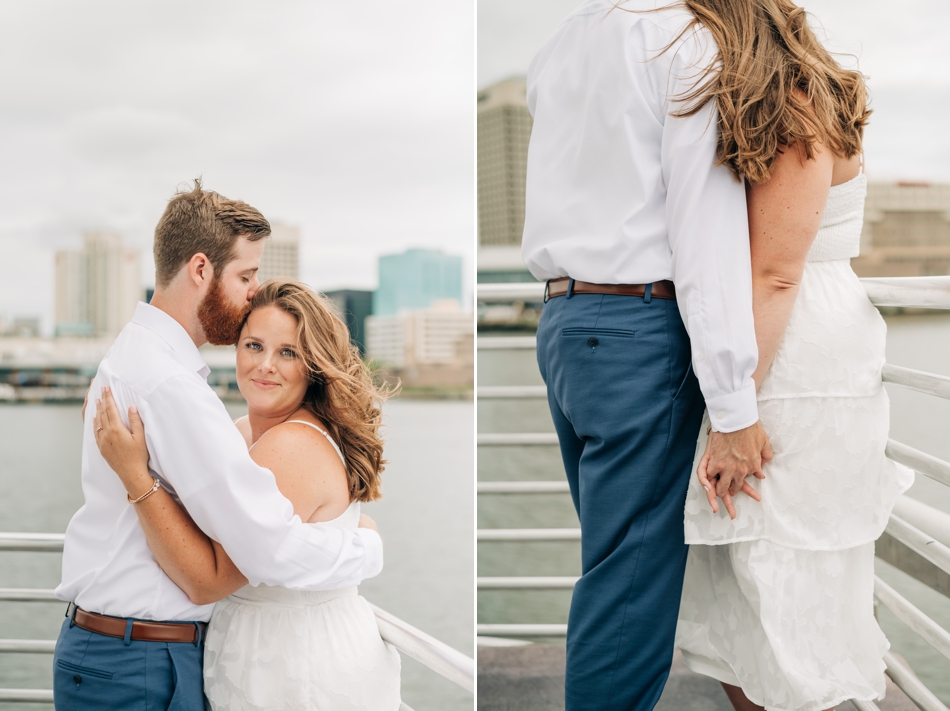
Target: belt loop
[647, 293]
[128, 632]
[72, 617]
[197, 634]
[570, 288]
[547, 285]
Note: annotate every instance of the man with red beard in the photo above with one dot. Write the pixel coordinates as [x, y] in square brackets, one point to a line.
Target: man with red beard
[133, 639]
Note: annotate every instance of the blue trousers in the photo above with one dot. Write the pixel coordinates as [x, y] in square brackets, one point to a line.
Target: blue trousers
[627, 410]
[92, 672]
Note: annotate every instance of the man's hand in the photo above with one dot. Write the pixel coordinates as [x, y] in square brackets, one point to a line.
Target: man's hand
[731, 457]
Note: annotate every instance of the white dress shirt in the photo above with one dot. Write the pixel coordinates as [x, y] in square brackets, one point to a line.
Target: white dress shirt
[620, 192]
[202, 459]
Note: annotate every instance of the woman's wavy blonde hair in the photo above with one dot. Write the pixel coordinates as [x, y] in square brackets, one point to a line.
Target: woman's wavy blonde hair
[341, 393]
[774, 84]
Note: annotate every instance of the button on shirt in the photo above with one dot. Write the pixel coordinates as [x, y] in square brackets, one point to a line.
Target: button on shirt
[620, 192]
[202, 459]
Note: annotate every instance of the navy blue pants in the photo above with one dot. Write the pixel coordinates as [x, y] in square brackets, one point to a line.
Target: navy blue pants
[627, 410]
[92, 672]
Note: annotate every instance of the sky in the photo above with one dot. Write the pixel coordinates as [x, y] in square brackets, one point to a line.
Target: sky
[353, 121]
[901, 47]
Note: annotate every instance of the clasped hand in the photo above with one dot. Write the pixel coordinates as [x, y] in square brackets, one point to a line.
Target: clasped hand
[730, 458]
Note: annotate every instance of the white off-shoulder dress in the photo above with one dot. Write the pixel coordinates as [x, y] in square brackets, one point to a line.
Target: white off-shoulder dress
[779, 601]
[274, 649]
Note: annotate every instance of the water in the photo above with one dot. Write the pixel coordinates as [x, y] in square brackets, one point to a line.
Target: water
[920, 342]
[426, 519]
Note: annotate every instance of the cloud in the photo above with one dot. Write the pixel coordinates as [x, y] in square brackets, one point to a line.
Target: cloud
[353, 121]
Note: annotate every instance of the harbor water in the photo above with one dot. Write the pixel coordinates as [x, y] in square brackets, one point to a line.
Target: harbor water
[425, 518]
[921, 421]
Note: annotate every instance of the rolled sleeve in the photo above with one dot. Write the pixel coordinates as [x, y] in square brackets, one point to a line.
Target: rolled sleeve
[709, 239]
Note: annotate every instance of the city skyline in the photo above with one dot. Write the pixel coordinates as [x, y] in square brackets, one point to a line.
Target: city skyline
[278, 105]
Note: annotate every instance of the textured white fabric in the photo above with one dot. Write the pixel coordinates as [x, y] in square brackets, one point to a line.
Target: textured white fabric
[273, 649]
[201, 458]
[779, 601]
[618, 191]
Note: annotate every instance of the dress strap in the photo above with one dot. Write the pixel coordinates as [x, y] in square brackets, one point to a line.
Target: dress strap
[326, 434]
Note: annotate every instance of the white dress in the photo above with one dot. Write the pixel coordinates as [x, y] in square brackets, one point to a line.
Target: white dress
[779, 601]
[270, 648]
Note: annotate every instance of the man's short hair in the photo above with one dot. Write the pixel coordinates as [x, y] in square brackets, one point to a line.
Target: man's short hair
[201, 221]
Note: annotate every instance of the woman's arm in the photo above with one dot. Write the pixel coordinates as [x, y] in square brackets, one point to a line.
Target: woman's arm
[195, 563]
[784, 217]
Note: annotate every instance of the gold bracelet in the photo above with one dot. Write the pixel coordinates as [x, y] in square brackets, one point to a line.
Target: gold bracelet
[148, 493]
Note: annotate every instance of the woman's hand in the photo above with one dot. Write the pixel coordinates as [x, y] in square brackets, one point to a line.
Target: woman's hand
[124, 450]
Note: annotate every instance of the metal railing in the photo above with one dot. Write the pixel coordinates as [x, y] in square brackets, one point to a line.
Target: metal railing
[445, 661]
[915, 530]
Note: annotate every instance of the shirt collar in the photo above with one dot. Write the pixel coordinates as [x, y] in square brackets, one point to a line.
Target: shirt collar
[173, 333]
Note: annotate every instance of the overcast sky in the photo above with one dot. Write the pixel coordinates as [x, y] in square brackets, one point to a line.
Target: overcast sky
[902, 47]
[353, 120]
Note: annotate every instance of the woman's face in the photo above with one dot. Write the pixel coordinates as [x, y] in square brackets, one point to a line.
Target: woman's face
[270, 374]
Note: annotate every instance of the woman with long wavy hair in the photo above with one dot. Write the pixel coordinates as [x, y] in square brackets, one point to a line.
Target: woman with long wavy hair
[313, 420]
[778, 596]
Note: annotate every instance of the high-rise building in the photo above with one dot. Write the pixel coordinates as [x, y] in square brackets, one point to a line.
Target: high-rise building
[504, 127]
[354, 306]
[906, 230]
[430, 337]
[96, 288]
[416, 279]
[281, 258]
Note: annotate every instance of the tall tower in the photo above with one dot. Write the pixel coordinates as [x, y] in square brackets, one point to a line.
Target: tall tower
[504, 127]
[96, 288]
[281, 259]
[415, 280]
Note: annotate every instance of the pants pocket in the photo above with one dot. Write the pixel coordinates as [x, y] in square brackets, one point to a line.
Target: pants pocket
[88, 671]
[686, 379]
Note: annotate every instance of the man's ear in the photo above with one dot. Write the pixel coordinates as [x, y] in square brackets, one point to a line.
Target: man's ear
[200, 269]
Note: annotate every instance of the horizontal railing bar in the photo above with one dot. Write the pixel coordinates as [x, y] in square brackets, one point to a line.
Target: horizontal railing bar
[502, 343]
[908, 292]
[523, 487]
[27, 595]
[929, 383]
[865, 705]
[51, 542]
[934, 634]
[509, 292]
[494, 630]
[920, 461]
[527, 583]
[27, 696]
[528, 534]
[516, 439]
[908, 682]
[920, 542]
[511, 392]
[427, 650]
[28, 646]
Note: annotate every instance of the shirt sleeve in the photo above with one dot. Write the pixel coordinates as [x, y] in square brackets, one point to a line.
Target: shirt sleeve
[709, 237]
[196, 449]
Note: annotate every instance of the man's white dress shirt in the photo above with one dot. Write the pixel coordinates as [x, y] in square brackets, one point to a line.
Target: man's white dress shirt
[621, 192]
[202, 459]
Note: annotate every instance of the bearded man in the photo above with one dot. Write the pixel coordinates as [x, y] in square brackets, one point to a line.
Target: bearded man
[133, 639]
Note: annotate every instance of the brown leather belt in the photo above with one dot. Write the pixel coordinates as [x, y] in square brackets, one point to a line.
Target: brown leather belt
[660, 290]
[141, 630]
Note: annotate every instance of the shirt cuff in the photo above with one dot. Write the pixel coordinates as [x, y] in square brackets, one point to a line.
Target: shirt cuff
[373, 544]
[735, 411]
